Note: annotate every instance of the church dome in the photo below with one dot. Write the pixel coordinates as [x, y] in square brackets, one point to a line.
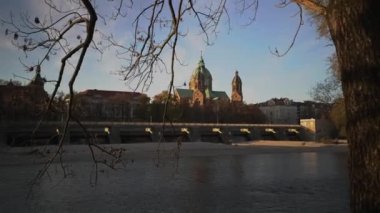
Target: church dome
[204, 73]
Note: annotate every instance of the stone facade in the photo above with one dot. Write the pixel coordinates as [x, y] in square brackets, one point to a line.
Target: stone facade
[96, 104]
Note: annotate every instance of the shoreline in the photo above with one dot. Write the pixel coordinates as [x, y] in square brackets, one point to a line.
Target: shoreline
[186, 148]
[273, 143]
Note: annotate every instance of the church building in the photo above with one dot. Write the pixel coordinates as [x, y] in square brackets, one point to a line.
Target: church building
[200, 88]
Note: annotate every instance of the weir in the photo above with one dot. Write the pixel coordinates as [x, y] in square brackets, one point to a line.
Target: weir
[21, 133]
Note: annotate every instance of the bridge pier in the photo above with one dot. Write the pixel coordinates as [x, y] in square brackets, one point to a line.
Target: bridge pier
[194, 135]
[114, 135]
[155, 133]
[67, 138]
[255, 134]
[281, 134]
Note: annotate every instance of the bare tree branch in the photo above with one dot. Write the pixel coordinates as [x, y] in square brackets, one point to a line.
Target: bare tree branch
[276, 52]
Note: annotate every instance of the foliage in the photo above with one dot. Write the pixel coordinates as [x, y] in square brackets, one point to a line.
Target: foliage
[162, 97]
[327, 91]
[5, 82]
[330, 92]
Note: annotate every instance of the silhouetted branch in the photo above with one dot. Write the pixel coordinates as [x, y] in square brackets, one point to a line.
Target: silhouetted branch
[246, 7]
[276, 52]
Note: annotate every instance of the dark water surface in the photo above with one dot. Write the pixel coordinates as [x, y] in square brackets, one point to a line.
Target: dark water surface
[207, 178]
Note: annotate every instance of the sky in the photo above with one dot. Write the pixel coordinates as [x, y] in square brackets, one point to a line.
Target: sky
[242, 48]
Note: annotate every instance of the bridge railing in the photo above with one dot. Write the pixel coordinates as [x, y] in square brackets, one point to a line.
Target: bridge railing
[110, 123]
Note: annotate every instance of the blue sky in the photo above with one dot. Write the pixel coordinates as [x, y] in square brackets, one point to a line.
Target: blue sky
[244, 48]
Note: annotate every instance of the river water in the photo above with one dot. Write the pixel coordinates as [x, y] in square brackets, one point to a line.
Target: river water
[205, 178]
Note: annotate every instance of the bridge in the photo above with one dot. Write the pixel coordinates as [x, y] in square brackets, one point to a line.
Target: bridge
[21, 133]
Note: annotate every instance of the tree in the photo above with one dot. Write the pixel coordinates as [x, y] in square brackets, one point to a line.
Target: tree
[352, 25]
[354, 29]
[329, 92]
[57, 35]
[5, 82]
[161, 98]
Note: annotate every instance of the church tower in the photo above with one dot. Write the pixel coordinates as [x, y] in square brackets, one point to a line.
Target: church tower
[38, 80]
[237, 93]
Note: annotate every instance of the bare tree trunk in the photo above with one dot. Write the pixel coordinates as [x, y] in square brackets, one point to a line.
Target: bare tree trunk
[355, 29]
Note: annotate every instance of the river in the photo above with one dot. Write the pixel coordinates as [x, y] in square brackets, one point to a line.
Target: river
[205, 178]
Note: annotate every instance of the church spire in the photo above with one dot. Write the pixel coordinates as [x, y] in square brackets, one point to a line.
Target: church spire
[237, 92]
[38, 80]
[201, 62]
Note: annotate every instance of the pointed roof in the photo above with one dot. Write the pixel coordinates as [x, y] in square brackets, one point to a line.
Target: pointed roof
[38, 80]
[201, 62]
[106, 94]
[236, 79]
[221, 95]
[184, 93]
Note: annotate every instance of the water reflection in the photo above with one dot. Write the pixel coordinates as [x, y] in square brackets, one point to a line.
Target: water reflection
[233, 182]
[310, 163]
[201, 172]
[311, 182]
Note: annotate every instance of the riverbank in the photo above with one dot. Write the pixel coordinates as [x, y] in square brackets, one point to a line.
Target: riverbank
[291, 143]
